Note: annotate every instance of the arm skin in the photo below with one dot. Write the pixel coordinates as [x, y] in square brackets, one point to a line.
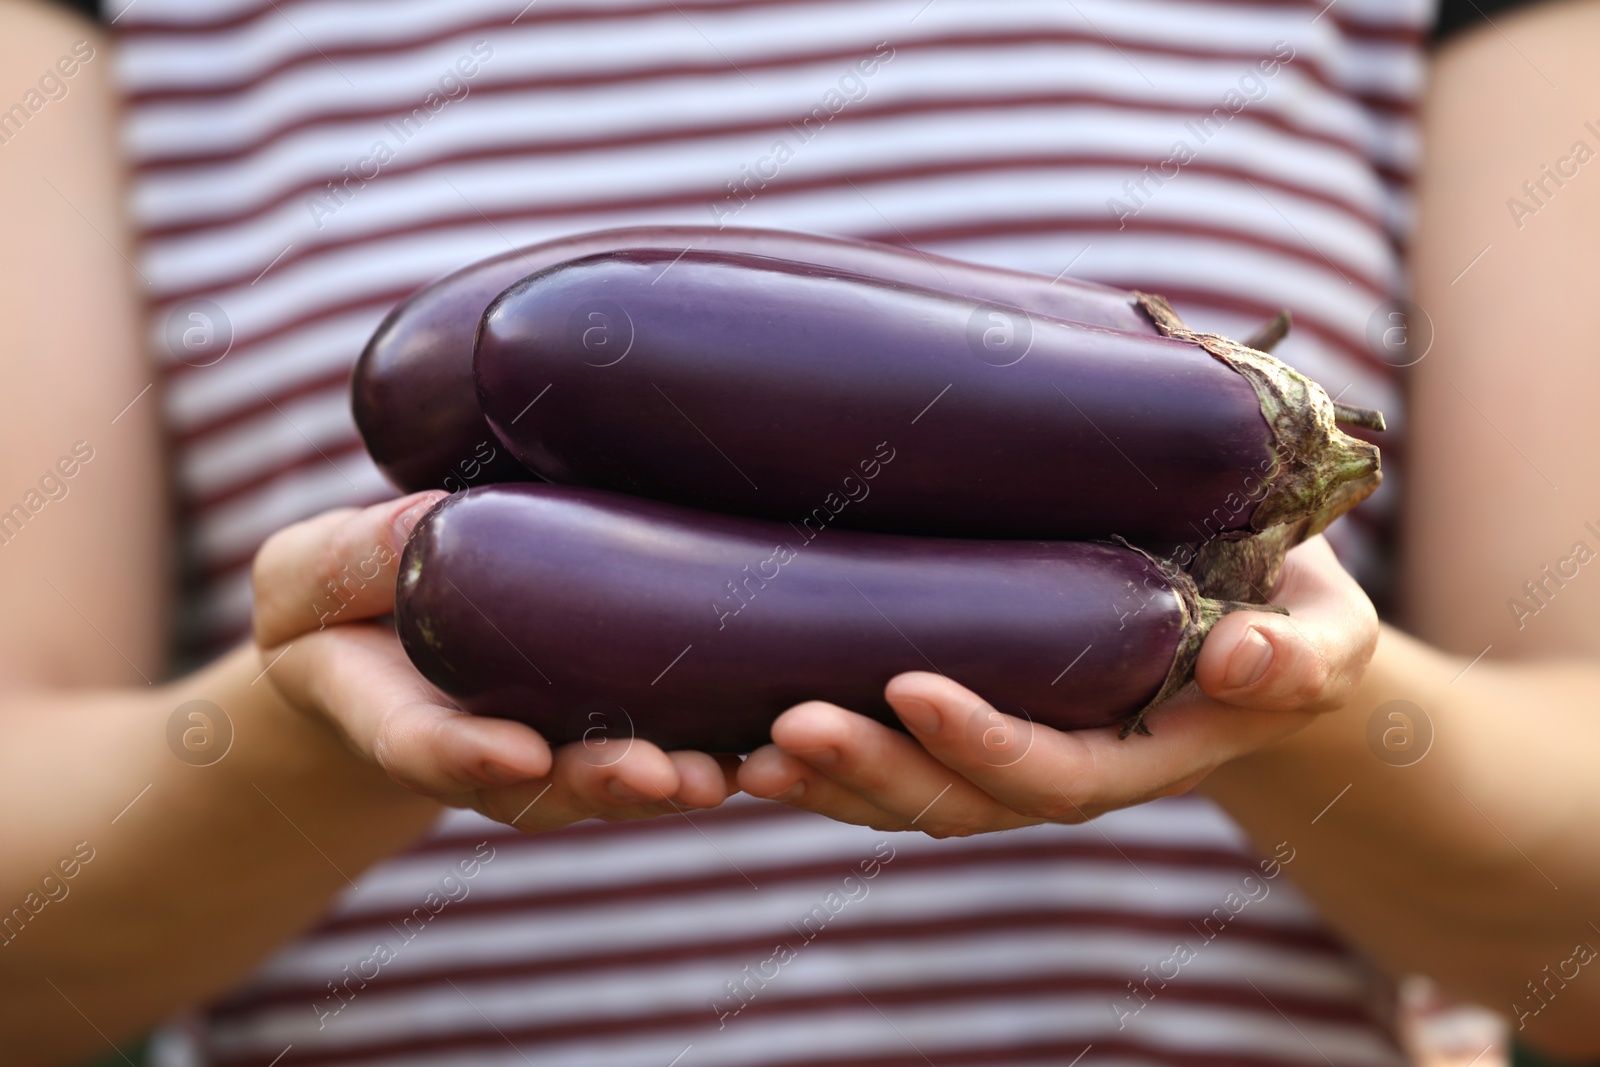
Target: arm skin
[194, 873]
[1407, 863]
[1476, 865]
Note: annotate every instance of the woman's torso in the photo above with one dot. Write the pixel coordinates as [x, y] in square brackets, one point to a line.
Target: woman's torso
[294, 178]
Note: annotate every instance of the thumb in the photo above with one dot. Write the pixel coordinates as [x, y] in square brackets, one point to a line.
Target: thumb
[335, 568]
[1308, 660]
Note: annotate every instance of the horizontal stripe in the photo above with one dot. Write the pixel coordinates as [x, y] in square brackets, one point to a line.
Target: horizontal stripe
[662, 888]
[160, 74]
[314, 291]
[1195, 1020]
[884, 937]
[1144, 138]
[149, 159]
[908, 894]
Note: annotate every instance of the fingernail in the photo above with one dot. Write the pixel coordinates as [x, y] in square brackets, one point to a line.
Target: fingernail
[920, 715]
[792, 794]
[1249, 662]
[407, 520]
[625, 793]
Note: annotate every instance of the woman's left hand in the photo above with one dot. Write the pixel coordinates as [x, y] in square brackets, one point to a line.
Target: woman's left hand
[967, 769]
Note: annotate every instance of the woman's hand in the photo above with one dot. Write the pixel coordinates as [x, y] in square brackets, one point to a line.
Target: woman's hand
[321, 588]
[966, 768]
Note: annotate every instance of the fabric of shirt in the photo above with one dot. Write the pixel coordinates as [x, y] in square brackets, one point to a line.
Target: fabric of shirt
[1456, 16]
[300, 165]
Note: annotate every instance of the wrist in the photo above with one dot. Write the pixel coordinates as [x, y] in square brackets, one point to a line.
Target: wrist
[299, 752]
[1340, 741]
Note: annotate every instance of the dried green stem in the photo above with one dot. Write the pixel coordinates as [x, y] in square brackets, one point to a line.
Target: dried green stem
[1269, 333]
[1314, 457]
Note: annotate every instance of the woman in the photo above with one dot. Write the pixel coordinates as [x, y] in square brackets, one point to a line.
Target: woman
[273, 232]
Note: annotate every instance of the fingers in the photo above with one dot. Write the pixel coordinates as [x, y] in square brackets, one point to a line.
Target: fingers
[358, 678]
[771, 773]
[976, 770]
[639, 782]
[336, 568]
[858, 770]
[1070, 776]
[1308, 660]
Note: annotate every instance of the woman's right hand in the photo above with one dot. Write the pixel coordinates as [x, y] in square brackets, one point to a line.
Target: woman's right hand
[322, 590]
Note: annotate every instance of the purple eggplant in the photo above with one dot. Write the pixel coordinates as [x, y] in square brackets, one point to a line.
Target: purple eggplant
[412, 389]
[747, 385]
[588, 614]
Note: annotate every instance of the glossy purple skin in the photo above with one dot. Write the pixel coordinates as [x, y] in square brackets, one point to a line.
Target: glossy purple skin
[412, 389]
[575, 610]
[762, 388]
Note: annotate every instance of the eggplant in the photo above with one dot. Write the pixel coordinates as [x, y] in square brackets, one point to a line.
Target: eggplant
[590, 615]
[747, 385]
[412, 391]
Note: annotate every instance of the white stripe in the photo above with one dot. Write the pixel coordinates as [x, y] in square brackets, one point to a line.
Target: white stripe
[291, 431]
[820, 967]
[862, 1032]
[674, 848]
[926, 895]
[240, 526]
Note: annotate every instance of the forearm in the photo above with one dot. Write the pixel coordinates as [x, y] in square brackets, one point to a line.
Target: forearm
[1474, 864]
[196, 871]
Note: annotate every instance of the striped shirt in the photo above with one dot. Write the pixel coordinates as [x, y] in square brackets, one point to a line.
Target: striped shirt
[300, 165]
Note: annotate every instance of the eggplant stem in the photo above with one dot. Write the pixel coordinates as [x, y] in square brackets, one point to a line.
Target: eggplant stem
[1366, 418]
[1269, 333]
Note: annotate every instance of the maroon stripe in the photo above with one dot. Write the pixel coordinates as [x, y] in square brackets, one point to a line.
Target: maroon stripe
[1374, 99]
[1040, 1053]
[143, 23]
[312, 55]
[655, 889]
[526, 151]
[258, 405]
[1304, 321]
[347, 445]
[154, 25]
[1098, 222]
[376, 303]
[774, 1006]
[566, 83]
[883, 935]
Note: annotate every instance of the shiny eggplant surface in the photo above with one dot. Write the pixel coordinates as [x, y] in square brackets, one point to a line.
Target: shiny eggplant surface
[591, 615]
[754, 386]
[412, 390]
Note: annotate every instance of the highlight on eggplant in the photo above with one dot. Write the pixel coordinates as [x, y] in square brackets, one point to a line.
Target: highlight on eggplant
[574, 610]
[749, 385]
[412, 391]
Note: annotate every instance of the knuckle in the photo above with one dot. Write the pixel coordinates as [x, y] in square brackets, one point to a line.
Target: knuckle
[1310, 678]
[391, 747]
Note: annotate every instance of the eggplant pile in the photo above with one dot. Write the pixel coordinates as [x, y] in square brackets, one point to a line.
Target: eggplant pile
[714, 473]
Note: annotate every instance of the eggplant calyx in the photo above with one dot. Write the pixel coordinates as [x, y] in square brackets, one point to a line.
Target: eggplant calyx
[1314, 459]
[1199, 614]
